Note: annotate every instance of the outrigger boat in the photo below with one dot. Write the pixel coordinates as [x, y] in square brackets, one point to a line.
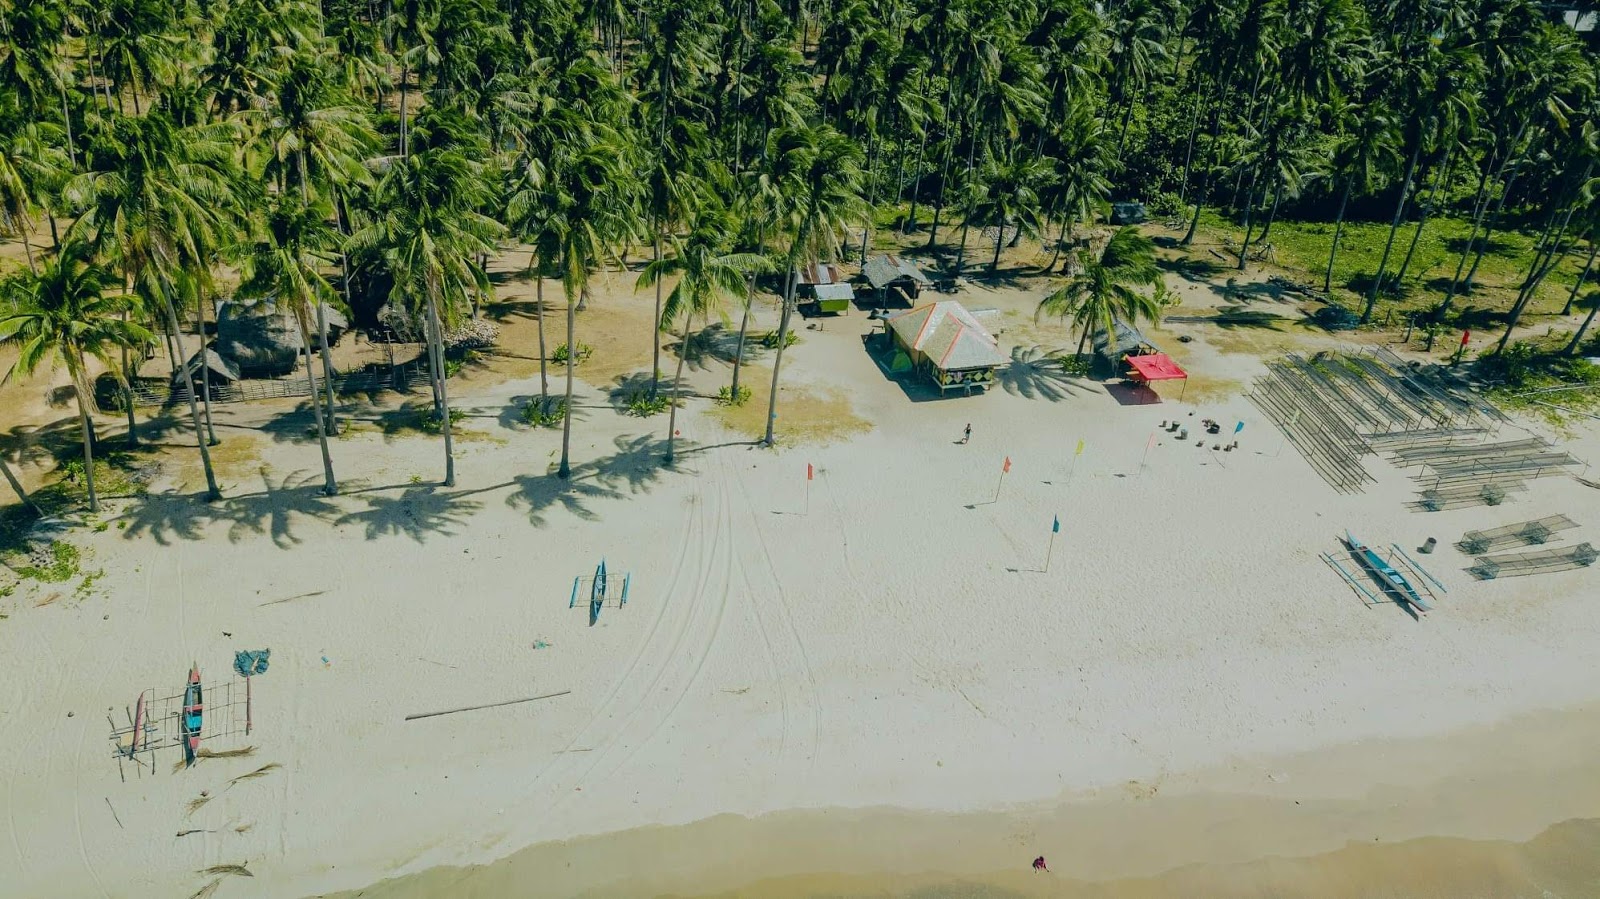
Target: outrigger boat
[1393, 582]
[193, 710]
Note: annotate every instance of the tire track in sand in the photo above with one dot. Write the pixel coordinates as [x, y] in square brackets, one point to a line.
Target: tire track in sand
[558, 771]
[680, 670]
[796, 662]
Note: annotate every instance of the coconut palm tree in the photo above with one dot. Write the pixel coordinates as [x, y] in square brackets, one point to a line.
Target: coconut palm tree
[1080, 159]
[284, 265]
[707, 275]
[1365, 151]
[1111, 287]
[431, 236]
[159, 199]
[1011, 197]
[32, 168]
[592, 205]
[67, 314]
[819, 172]
[317, 139]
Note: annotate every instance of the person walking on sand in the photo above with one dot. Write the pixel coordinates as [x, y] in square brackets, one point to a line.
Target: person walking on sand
[1039, 865]
[966, 433]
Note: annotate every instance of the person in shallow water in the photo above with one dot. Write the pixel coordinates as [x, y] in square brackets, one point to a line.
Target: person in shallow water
[1039, 865]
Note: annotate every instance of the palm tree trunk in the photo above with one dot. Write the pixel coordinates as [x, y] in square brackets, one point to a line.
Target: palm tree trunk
[1272, 212]
[1494, 219]
[1061, 238]
[22, 495]
[1578, 285]
[405, 78]
[1427, 210]
[1555, 254]
[677, 390]
[205, 372]
[435, 368]
[916, 185]
[327, 368]
[738, 348]
[444, 394]
[127, 389]
[1188, 151]
[565, 469]
[330, 486]
[88, 445]
[1338, 226]
[27, 245]
[1249, 210]
[544, 377]
[655, 327]
[1394, 226]
[213, 492]
[783, 338]
[1571, 348]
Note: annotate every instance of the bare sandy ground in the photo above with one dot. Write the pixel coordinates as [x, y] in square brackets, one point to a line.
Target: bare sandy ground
[882, 638]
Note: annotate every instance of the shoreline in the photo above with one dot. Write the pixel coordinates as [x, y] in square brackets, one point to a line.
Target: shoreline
[1479, 796]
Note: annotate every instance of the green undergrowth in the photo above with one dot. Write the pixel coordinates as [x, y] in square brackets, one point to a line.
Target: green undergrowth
[1301, 248]
[1535, 378]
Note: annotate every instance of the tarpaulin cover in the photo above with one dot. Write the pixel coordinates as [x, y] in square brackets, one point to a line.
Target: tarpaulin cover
[252, 661]
[1156, 367]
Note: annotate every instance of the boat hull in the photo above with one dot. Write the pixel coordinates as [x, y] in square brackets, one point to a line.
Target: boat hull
[1392, 581]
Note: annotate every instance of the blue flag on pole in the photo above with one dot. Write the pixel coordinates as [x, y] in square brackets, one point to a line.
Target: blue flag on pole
[1055, 526]
[1238, 427]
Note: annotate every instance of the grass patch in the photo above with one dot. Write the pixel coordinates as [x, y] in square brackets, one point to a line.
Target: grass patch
[770, 339]
[641, 404]
[1531, 377]
[417, 420]
[805, 415]
[547, 412]
[726, 396]
[1301, 249]
[55, 564]
[560, 355]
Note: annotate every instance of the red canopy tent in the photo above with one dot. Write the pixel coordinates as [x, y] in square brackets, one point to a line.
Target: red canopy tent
[1156, 367]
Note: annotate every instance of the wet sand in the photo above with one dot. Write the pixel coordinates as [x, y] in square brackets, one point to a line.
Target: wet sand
[1504, 811]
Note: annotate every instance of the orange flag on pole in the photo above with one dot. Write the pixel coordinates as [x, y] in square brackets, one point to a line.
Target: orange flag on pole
[1006, 468]
[810, 472]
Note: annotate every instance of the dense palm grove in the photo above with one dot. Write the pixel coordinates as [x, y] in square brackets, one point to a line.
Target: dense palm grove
[379, 153]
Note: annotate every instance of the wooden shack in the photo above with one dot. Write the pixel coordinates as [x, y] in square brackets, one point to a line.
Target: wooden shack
[822, 287]
[895, 277]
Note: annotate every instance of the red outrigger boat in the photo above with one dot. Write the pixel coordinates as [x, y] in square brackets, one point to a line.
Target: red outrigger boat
[193, 710]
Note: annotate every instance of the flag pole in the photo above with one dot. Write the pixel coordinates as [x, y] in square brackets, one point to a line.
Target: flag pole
[1004, 468]
[1147, 445]
[1050, 550]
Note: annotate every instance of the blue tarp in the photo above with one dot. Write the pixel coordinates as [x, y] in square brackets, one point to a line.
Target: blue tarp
[251, 661]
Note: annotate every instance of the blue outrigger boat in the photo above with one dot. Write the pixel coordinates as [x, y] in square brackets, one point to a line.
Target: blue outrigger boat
[1392, 581]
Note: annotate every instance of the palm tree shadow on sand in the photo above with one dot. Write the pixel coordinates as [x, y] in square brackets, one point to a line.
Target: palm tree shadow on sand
[1036, 373]
[417, 512]
[271, 512]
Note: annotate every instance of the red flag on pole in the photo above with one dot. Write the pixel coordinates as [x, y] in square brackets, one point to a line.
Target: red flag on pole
[810, 472]
[1006, 468]
[1465, 336]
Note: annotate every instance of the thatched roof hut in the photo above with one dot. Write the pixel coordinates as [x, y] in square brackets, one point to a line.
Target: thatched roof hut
[1124, 340]
[216, 367]
[264, 340]
[895, 274]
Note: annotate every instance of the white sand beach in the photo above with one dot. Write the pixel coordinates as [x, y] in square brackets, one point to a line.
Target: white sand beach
[884, 638]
